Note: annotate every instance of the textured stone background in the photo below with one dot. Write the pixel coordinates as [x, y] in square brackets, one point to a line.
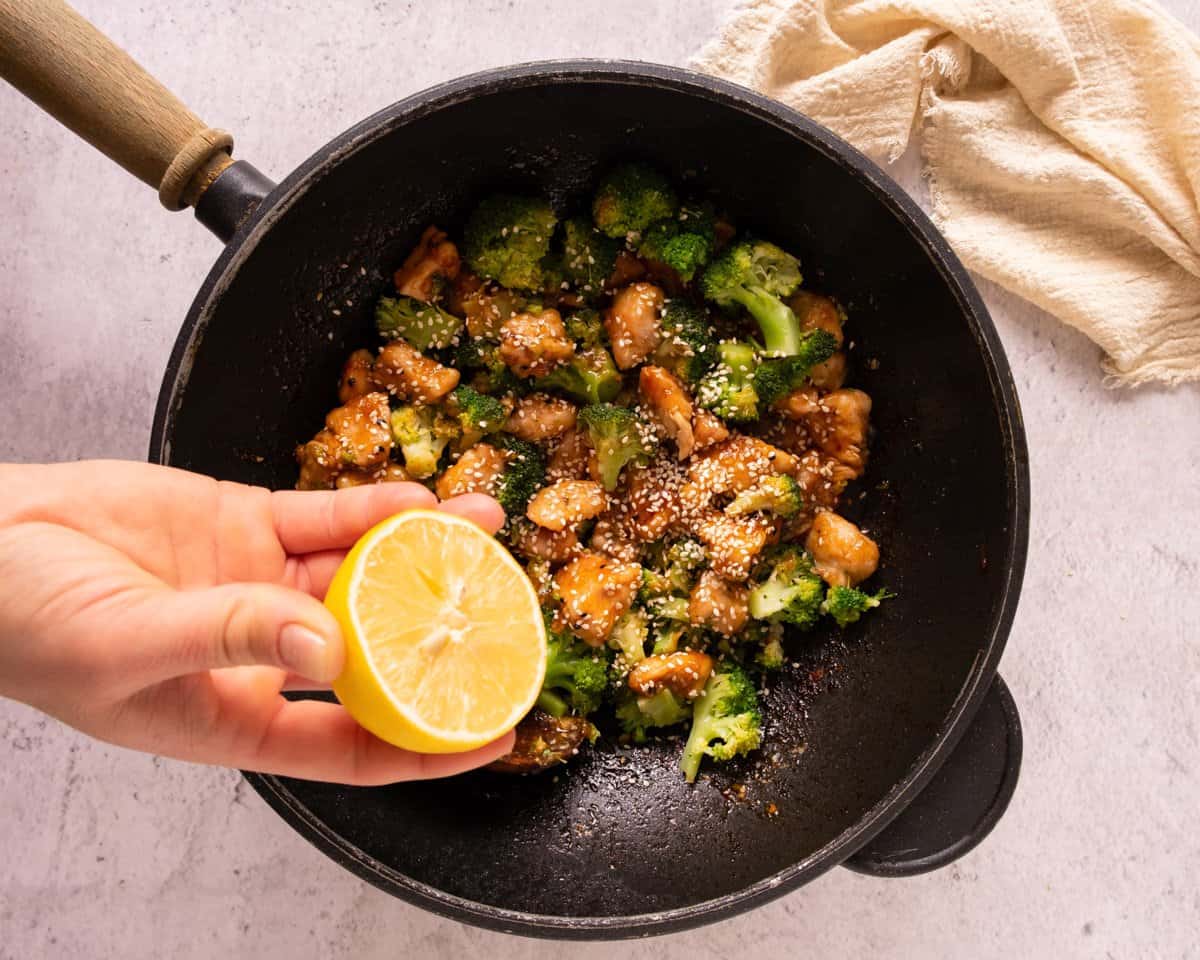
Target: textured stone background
[112, 854]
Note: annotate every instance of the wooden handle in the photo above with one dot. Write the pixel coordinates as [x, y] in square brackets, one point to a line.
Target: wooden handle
[75, 73]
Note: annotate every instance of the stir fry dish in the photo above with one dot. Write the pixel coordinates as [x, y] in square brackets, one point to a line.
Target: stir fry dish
[660, 408]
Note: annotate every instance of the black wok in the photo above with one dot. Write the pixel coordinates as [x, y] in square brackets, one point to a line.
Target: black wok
[892, 748]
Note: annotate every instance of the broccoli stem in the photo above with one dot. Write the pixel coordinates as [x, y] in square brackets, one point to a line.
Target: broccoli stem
[779, 326]
[552, 703]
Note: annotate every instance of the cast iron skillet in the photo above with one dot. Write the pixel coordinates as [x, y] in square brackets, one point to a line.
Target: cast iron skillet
[892, 748]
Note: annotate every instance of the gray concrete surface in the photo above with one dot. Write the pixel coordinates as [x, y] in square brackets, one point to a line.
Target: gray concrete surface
[107, 853]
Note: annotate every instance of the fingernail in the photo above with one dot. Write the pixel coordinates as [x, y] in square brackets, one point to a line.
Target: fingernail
[304, 651]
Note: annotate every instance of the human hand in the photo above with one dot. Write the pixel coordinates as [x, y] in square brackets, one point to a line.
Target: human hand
[165, 611]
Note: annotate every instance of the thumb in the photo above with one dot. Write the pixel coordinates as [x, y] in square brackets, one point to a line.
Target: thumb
[244, 624]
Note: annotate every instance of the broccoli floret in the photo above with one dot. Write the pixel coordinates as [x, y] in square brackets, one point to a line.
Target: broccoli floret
[781, 375]
[654, 585]
[489, 373]
[669, 607]
[422, 434]
[683, 243]
[477, 414]
[846, 604]
[636, 715]
[585, 327]
[618, 438]
[687, 348]
[576, 676]
[588, 255]
[630, 198]
[522, 478]
[725, 720]
[628, 639]
[423, 325]
[792, 593]
[757, 275]
[728, 388]
[670, 635]
[778, 494]
[770, 654]
[507, 239]
[590, 377]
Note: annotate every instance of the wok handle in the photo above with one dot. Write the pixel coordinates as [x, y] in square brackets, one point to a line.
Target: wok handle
[961, 804]
[75, 73]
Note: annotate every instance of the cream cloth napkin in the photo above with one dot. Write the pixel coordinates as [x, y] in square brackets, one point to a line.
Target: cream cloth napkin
[1061, 141]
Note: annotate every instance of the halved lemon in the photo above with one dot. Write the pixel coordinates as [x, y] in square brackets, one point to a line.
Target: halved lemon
[445, 642]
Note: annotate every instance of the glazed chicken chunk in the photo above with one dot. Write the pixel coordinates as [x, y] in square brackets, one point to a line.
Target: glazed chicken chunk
[540, 416]
[842, 554]
[633, 323]
[596, 591]
[362, 431]
[476, 471]
[407, 373]
[668, 400]
[719, 604]
[734, 543]
[533, 344]
[544, 741]
[356, 376]
[429, 268]
[683, 673]
[567, 503]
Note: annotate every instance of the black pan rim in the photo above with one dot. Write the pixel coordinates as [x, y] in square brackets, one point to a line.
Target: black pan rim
[1007, 405]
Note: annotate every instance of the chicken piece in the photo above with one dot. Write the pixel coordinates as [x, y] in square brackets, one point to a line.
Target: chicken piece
[732, 466]
[407, 373]
[540, 416]
[476, 471]
[362, 431]
[816, 312]
[668, 400]
[684, 673]
[320, 462]
[791, 436]
[566, 503]
[800, 405]
[596, 591]
[626, 270]
[388, 473]
[848, 413]
[822, 479]
[733, 543]
[533, 344]
[719, 604]
[633, 324]
[842, 554]
[653, 498]
[570, 456]
[486, 306]
[532, 541]
[544, 741]
[433, 263]
[829, 374]
[707, 429]
[612, 536]
[356, 376]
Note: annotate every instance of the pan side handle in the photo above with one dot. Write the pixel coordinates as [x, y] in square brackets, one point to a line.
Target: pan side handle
[75, 73]
[961, 804]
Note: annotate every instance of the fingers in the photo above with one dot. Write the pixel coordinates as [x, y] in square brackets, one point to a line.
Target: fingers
[312, 520]
[245, 624]
[478, 508]
[314, 740]
[313, 572]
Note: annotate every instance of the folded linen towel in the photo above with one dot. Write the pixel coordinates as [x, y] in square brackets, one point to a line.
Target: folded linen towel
[1060, 138]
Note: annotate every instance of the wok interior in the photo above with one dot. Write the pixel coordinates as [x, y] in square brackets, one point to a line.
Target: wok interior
[619, 833]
